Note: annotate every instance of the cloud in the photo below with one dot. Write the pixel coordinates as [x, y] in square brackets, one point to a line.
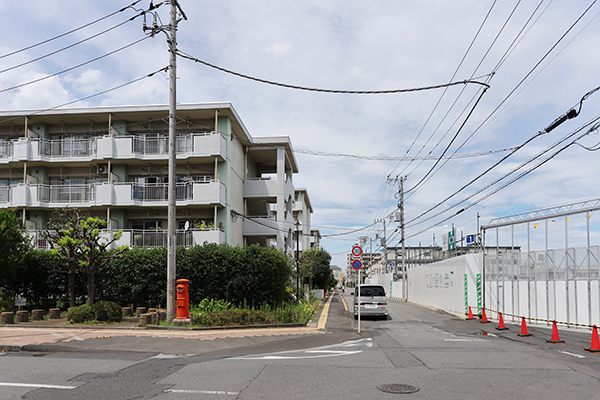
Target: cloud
[354, 45]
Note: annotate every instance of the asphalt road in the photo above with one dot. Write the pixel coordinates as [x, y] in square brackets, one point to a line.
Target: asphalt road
[442, 356]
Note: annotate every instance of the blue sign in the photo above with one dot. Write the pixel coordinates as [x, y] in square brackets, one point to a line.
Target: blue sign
[470, 239]
[356, 264]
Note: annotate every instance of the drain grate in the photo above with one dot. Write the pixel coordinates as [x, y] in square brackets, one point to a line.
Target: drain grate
[397, 388]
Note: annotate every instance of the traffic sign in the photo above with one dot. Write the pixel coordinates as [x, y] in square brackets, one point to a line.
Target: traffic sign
[356, 251]
[356, 264]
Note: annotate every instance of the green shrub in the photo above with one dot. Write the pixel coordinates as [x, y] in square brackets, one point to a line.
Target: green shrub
[211, 305]
[77, 315]
[107, 311]
[7, 303]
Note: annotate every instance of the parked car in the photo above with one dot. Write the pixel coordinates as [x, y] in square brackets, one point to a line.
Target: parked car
[373, 301]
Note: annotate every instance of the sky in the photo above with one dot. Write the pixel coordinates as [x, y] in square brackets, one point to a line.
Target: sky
[539, 58]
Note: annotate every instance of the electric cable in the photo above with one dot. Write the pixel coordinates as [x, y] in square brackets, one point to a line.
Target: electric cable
[572, 113]
[69, 32]
[521, 175]
[568, 115]
[527, 75]
[463, 89]
[312, 89]
[520, 83]
[445, 90]
[74, 67]
[70, 46]
[449, 144]
[87, 97]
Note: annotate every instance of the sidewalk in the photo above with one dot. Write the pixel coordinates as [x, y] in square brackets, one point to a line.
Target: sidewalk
[37, 336]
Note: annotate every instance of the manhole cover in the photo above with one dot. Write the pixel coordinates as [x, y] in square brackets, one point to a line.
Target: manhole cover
[397, 388]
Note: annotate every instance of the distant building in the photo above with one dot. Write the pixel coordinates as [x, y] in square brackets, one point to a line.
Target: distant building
[338, 274]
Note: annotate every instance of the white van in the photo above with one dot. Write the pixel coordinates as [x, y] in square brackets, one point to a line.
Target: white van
[372, 301]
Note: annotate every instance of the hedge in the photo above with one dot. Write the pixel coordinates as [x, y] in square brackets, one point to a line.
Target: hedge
[251, 275]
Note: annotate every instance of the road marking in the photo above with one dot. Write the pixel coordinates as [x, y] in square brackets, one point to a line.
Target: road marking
[571, 354]
[37, 385]
[162, 355]
[202, 391]
[324, 314]
[315, 352]
[465, 340]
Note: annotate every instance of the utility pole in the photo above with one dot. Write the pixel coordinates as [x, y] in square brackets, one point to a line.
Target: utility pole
[401, 207]
[297, 260]
[384, 245]
[171, 32]
[172, 188]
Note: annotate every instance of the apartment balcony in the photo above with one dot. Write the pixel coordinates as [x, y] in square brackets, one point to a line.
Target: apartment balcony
[263, 226]
[207, 192]
[5, 194]
[147, 238]
[267, 187]
[194, 145]
[159, 238]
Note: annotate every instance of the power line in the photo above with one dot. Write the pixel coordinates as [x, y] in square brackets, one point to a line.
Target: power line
[71, 45]
[476, 131]
[527, 75]
[449, 144]
[75, 67]
[445, 90]
[405, 158]
[473, 74]
[88, 97]
[71, 31]
[311, 89]
[521, 175]
[568, 115]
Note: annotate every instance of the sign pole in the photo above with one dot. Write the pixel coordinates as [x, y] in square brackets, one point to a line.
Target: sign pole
[358, 297]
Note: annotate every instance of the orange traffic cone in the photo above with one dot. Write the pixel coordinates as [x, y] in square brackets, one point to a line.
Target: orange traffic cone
[470, 314]
[595, 347]
[501, 326]
[524, 332]
[555, 337]
[484, 319]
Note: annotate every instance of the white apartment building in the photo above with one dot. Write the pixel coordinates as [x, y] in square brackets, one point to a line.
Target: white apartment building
[302, 212]
[112, 162]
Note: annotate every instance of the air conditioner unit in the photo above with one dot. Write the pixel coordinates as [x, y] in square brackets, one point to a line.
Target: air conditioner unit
[102, 169]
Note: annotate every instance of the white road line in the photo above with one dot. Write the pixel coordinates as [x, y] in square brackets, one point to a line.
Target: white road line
[326, 351]
[36, 385]
[571, 354]
[464, 340]
[202, 392]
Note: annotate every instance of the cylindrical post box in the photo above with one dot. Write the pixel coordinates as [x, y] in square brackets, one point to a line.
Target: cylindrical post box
[183, 299]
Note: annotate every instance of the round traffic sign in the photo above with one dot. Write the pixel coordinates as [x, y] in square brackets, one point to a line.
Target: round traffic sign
[356, 264]
[356, 251]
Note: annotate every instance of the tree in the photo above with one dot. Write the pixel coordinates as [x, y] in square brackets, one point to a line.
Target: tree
[14, 245]
[315, 266]
[78, 240]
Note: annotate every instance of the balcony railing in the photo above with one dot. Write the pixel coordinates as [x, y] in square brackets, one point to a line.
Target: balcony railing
[160, 191]
[160, 145]
[6, 149]
[159, 238]
[68, 147]
[66, 193]
[4, 194]
[149, 238]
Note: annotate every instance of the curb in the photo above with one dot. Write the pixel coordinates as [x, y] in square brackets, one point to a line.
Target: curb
[10, 348]
[220, 328]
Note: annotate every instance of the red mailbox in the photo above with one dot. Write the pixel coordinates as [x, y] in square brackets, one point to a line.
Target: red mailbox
[183, 299]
